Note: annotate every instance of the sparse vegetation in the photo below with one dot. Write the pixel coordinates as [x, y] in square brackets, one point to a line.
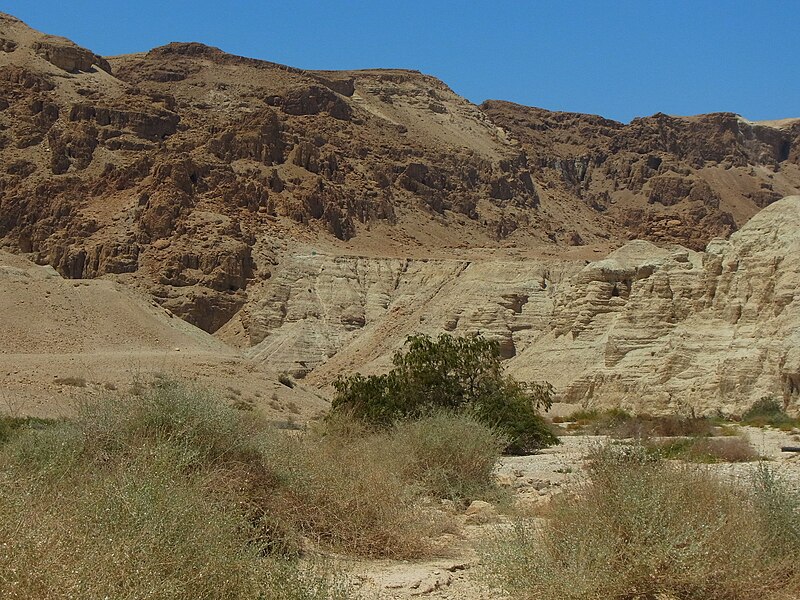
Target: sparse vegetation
[116, 496]
[452, 456]
[769, 412]
[618, 423]
[703, 449]
[9, 425]
[457, 374]
[154, 495]
[367, 491]
[644, 528]
[71, 381]
[286, 380]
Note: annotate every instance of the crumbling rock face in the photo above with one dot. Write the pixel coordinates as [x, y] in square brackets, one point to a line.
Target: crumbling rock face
[668, 329]
[313, 100]
[318, 315]
[151, 126]
[663, 178]
[257, 137]
[67, 56]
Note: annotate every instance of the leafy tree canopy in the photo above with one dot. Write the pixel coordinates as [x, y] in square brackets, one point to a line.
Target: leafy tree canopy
[451, 373]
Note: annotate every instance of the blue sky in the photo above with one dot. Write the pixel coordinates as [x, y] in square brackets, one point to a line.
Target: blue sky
[619, 59]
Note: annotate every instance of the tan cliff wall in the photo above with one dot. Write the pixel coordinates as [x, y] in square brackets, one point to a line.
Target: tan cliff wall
[646, 328]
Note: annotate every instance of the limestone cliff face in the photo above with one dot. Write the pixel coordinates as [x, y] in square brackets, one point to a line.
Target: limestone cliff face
[655, 329]
[324, 315]
[646, 328]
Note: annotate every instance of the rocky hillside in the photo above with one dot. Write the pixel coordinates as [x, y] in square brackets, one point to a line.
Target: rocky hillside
[662, 178]
[313, 219]
[654, 328]
[671, 329]
[185, 170]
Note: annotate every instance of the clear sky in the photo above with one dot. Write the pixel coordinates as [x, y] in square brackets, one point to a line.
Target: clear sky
[620, 59]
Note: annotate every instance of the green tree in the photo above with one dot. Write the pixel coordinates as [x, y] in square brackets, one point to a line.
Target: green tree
[462, 374]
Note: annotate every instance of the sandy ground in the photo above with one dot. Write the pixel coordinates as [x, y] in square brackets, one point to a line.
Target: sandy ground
[63, 341]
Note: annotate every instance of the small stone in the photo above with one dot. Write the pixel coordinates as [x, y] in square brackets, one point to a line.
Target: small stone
[480, 512]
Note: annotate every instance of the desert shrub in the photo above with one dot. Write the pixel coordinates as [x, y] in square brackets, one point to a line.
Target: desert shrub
[285, 379]
[348, 493]
[621, 424]
[172, 412]
[704, 450]
[373, 491]
[148, 526]
[460, 374]
[766, 406]
[71, 380]
[154, 496]
[643, 528]
[778, 510]
[768, 411]
[451, 455]
[342, 484]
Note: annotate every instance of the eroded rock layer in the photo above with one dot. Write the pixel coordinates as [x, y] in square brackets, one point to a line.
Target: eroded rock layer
[314, 219]
[649, 328]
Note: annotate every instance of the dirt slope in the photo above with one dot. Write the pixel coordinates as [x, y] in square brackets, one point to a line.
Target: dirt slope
[66, 340]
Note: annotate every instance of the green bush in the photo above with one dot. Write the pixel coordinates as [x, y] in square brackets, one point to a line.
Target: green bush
[460, 374]
[768, 411]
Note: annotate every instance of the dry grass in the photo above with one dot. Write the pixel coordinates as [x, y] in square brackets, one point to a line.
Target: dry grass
[10, 426]
[451, 455]
[621, 424]
[703, 450]
[149, 497]
[642, 528]
[369, 492]
[170, 493]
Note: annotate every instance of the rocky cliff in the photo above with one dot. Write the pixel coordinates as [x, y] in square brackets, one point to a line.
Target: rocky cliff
[185, 170]
[648, 328]
[663, 178]
[313, 219]
[653, 328]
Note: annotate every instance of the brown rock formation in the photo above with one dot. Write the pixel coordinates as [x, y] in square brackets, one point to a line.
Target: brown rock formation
[663, 178]
[193, 174]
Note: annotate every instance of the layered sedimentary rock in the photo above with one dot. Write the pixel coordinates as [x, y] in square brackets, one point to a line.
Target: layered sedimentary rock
[671, 329]
[325, 315]
[649, 328]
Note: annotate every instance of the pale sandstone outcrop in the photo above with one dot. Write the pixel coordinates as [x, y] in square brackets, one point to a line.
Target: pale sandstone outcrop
[646, 328]
[328, 315]
[653, 329]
